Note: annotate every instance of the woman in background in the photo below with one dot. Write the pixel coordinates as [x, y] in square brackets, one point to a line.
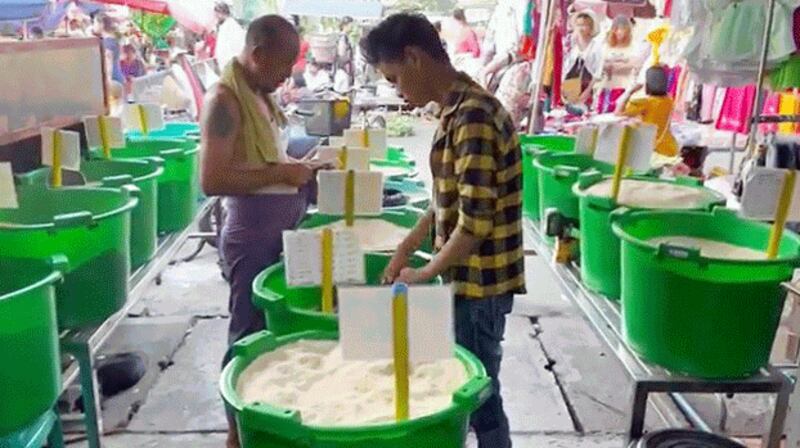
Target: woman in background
[621, 62]
[583, 60]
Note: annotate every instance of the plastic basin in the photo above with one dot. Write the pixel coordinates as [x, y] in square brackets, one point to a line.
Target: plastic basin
[404, 169]
[173, 129]
[599, 247]
[402, 216]
[557, 173]
[178, 187]
[114, 174]
[264, 426]
[296, 309]
[418, 196]
[91, 227]
[700, 316]
[532, 146]
[31, 376]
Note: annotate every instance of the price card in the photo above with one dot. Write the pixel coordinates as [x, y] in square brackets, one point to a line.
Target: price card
[374, 139]
[641, 145]
[114, 136]
[365, 322]
[762, 188]
[368, 192]
[69, 149]
[303, 257]
[8, 193]
[144, 117]
[586, 140]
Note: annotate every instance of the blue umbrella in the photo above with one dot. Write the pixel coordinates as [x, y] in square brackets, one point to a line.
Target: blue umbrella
[22, 9]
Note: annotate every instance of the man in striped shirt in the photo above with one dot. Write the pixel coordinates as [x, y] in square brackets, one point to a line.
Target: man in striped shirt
[477, 187]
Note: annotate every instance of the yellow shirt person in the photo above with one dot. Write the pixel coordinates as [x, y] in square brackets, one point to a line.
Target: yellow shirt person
[655, 110]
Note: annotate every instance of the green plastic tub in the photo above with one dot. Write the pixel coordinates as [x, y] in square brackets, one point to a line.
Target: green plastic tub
[297, 309]
[599, 247]
[402, 216]
[418, 196]
[91, 227]
[144, 175]
[31, 375]
[557, 174]
[403, 169]
[178, 186]
[264, 426]
[699, 316]
[532, 146]
[174, 129]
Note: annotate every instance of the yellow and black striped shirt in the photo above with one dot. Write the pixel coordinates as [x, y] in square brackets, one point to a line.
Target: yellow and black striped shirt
[477, 187]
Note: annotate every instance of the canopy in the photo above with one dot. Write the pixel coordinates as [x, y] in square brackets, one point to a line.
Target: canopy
[22, 9]
[197, 15]
[360, 9]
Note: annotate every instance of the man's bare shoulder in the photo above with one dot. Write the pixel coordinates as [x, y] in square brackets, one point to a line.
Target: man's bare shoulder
[221, 112]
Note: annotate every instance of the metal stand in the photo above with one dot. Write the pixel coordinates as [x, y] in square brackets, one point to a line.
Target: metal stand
[605, 317]
[84, 344]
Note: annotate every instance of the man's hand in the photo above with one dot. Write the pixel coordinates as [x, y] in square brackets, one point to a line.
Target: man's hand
[398, 262]
[410, 276]
[296, 174]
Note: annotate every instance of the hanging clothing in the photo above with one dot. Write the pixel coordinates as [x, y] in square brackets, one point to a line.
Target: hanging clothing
[790, 105]
[771, 107]
[707, 99]
[786, 75]
[737, 109]
[558, 65]
[656, 110]
[607, 100]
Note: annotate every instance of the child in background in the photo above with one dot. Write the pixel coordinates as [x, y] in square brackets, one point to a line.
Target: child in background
[655, 109]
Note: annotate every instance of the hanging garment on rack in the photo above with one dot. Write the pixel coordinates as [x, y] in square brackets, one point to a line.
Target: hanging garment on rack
[771, 107]
[707, 100]
[558, 65]
[790, 105]
[786, 75]
[737, 109]
[673, 77]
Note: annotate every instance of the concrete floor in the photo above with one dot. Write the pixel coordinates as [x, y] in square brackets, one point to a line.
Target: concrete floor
[561, 384]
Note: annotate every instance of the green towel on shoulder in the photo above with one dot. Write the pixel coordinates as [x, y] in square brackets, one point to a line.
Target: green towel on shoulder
[260, 141]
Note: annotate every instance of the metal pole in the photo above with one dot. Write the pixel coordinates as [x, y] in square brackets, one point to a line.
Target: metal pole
[758, 101]
[541, 53]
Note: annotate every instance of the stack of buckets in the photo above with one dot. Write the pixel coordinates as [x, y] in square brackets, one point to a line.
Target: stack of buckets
[294, 314]
[66, 255]
[691, 314]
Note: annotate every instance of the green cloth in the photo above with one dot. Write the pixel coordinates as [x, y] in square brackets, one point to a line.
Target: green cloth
[786, 75]
[258, 137]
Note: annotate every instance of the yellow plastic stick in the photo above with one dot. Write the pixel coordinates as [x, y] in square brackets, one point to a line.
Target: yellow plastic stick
[622, 157]
[781, 215]
[102, 127]
[56, 179]
[365, 138]
[400, 343]
[595, 135]
[343, 158]
[143, 119]
[327, 271]
[349, 198]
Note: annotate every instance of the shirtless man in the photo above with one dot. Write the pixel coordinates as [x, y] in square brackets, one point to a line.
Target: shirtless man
[251, 237]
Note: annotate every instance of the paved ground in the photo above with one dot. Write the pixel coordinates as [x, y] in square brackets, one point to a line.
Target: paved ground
[562, 385]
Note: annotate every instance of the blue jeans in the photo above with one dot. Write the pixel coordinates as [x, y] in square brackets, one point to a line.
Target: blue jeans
[480, 325]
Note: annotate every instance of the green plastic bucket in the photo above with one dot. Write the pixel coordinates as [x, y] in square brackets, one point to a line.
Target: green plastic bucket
[31, 375]
[403, 216]
[699, 316]
[174, 129]
[91, 227]
[113, 174]
[418, 196]
[264, 426]
[532, 146]
[296, 309]
[557, 174]
[400, 169]
[178, 187]
[599, 247]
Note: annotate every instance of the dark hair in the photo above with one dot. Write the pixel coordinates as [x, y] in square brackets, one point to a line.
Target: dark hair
[269, 29]
[299, 80]
[388, 41]
[656, 81]
[438, 25]
[459, 15]
[37, 31]
[222, 8]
